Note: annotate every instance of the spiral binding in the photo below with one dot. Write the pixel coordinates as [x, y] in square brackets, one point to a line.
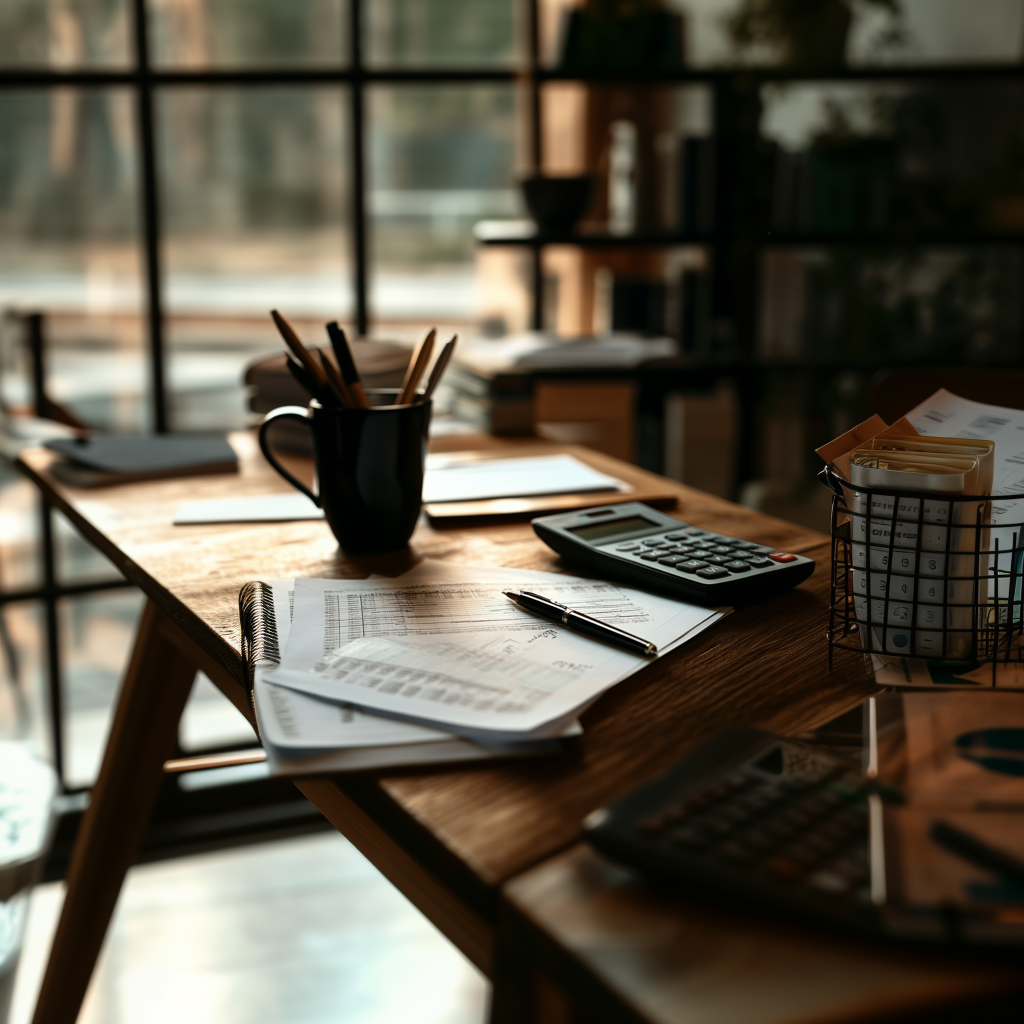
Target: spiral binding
[260, 641]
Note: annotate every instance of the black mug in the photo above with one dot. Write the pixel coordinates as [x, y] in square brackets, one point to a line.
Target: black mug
[369, 468]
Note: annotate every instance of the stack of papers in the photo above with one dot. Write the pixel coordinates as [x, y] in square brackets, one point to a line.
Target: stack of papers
[449, 478]
[438, 665]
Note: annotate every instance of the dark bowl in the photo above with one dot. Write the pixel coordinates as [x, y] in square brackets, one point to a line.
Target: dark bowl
[556, 204]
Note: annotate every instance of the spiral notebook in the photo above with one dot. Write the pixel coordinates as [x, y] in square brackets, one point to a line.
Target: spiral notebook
[303, 735]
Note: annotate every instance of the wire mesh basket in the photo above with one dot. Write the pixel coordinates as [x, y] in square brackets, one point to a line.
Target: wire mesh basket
[924, 575]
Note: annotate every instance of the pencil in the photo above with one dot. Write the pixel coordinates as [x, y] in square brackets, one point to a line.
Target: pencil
[347, 365]
[309, 364]
[300, 375]
[440, 365]
[417, 365]
[334, 380]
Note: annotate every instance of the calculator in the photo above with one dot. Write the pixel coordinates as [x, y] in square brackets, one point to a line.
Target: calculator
[637, 544]
[754, 818]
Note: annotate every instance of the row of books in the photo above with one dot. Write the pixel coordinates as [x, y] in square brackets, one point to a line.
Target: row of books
[823, 190]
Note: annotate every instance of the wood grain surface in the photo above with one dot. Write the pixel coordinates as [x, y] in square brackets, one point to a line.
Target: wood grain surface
[627, 952]
[765, 665]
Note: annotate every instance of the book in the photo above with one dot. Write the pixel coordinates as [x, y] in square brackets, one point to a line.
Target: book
[96, 461]
[302, 735]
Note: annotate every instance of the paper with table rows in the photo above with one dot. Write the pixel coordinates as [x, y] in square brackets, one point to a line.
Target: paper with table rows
[295, 724]
[445, 648]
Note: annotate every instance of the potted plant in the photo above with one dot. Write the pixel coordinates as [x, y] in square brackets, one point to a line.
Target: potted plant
[806, 33]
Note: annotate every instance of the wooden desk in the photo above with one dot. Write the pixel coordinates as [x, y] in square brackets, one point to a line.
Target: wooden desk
[447, 839]
[584, 939]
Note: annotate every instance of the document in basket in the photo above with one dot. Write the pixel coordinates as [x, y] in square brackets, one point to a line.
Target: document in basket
[455, 653]
[949, 415]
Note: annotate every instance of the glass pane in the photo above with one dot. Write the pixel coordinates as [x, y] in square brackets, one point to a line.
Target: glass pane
[23, 699]
[256, 216]
[69, 245]
[248, 32]
[423, 33]
[20, 566]
[210, 720]
[97, 633]
[441, 159]
[64, 33]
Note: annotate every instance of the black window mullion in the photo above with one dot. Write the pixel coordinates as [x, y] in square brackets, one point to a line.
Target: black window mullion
[150, 209]
[358, 168]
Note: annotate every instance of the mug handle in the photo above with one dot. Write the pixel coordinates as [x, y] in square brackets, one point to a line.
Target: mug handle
[290, 412]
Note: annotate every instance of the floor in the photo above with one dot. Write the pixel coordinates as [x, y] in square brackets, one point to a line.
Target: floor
[301, 931]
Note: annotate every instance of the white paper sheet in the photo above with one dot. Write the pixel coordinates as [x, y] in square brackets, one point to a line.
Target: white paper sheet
[448, 478]
[261, 508]
[458, 479]
[302, 732]
[947, 415]
[448, 650]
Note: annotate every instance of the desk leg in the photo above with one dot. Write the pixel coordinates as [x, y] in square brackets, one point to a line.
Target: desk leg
[522, 992]
[153, 695]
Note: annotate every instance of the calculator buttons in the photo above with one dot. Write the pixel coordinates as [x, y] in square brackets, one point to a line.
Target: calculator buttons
[760, 563]
[721, 549]
[681, 551]
[712, 572]
[692, 565]
[651, 542]
[677, 536]
[671, 559]
[717, 559]
[628, 547]
[701, 553]
[651, 556]
[781, 556]
[737, 566]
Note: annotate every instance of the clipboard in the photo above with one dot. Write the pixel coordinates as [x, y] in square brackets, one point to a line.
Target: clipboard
[643, 486]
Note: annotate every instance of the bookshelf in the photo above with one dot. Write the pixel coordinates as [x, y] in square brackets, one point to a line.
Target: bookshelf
[736, 245]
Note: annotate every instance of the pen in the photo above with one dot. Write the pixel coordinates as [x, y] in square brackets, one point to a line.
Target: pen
[976, 852]
[580, 622]
[347, 365]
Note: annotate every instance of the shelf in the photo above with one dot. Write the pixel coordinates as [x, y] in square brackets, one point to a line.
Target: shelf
[525, 232]
[172, 76]
[866, 73]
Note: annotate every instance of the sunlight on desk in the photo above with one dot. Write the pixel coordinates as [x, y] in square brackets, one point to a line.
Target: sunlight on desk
[302, 931]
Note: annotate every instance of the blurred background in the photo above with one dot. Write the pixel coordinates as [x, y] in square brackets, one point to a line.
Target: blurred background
[788, 205]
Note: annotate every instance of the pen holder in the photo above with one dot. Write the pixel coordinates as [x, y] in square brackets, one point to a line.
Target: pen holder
[926, 575]
[369, 468]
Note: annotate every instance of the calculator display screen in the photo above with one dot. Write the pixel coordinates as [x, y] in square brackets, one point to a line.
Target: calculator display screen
[601, 531]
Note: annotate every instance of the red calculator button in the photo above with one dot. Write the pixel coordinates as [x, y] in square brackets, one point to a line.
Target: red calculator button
[781, 556]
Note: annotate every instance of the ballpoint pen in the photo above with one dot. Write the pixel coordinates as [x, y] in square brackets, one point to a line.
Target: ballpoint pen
[347, 365]
[580, 622]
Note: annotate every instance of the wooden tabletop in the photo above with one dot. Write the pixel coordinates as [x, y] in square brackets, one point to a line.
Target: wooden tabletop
[626, 951]
[475, 828]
